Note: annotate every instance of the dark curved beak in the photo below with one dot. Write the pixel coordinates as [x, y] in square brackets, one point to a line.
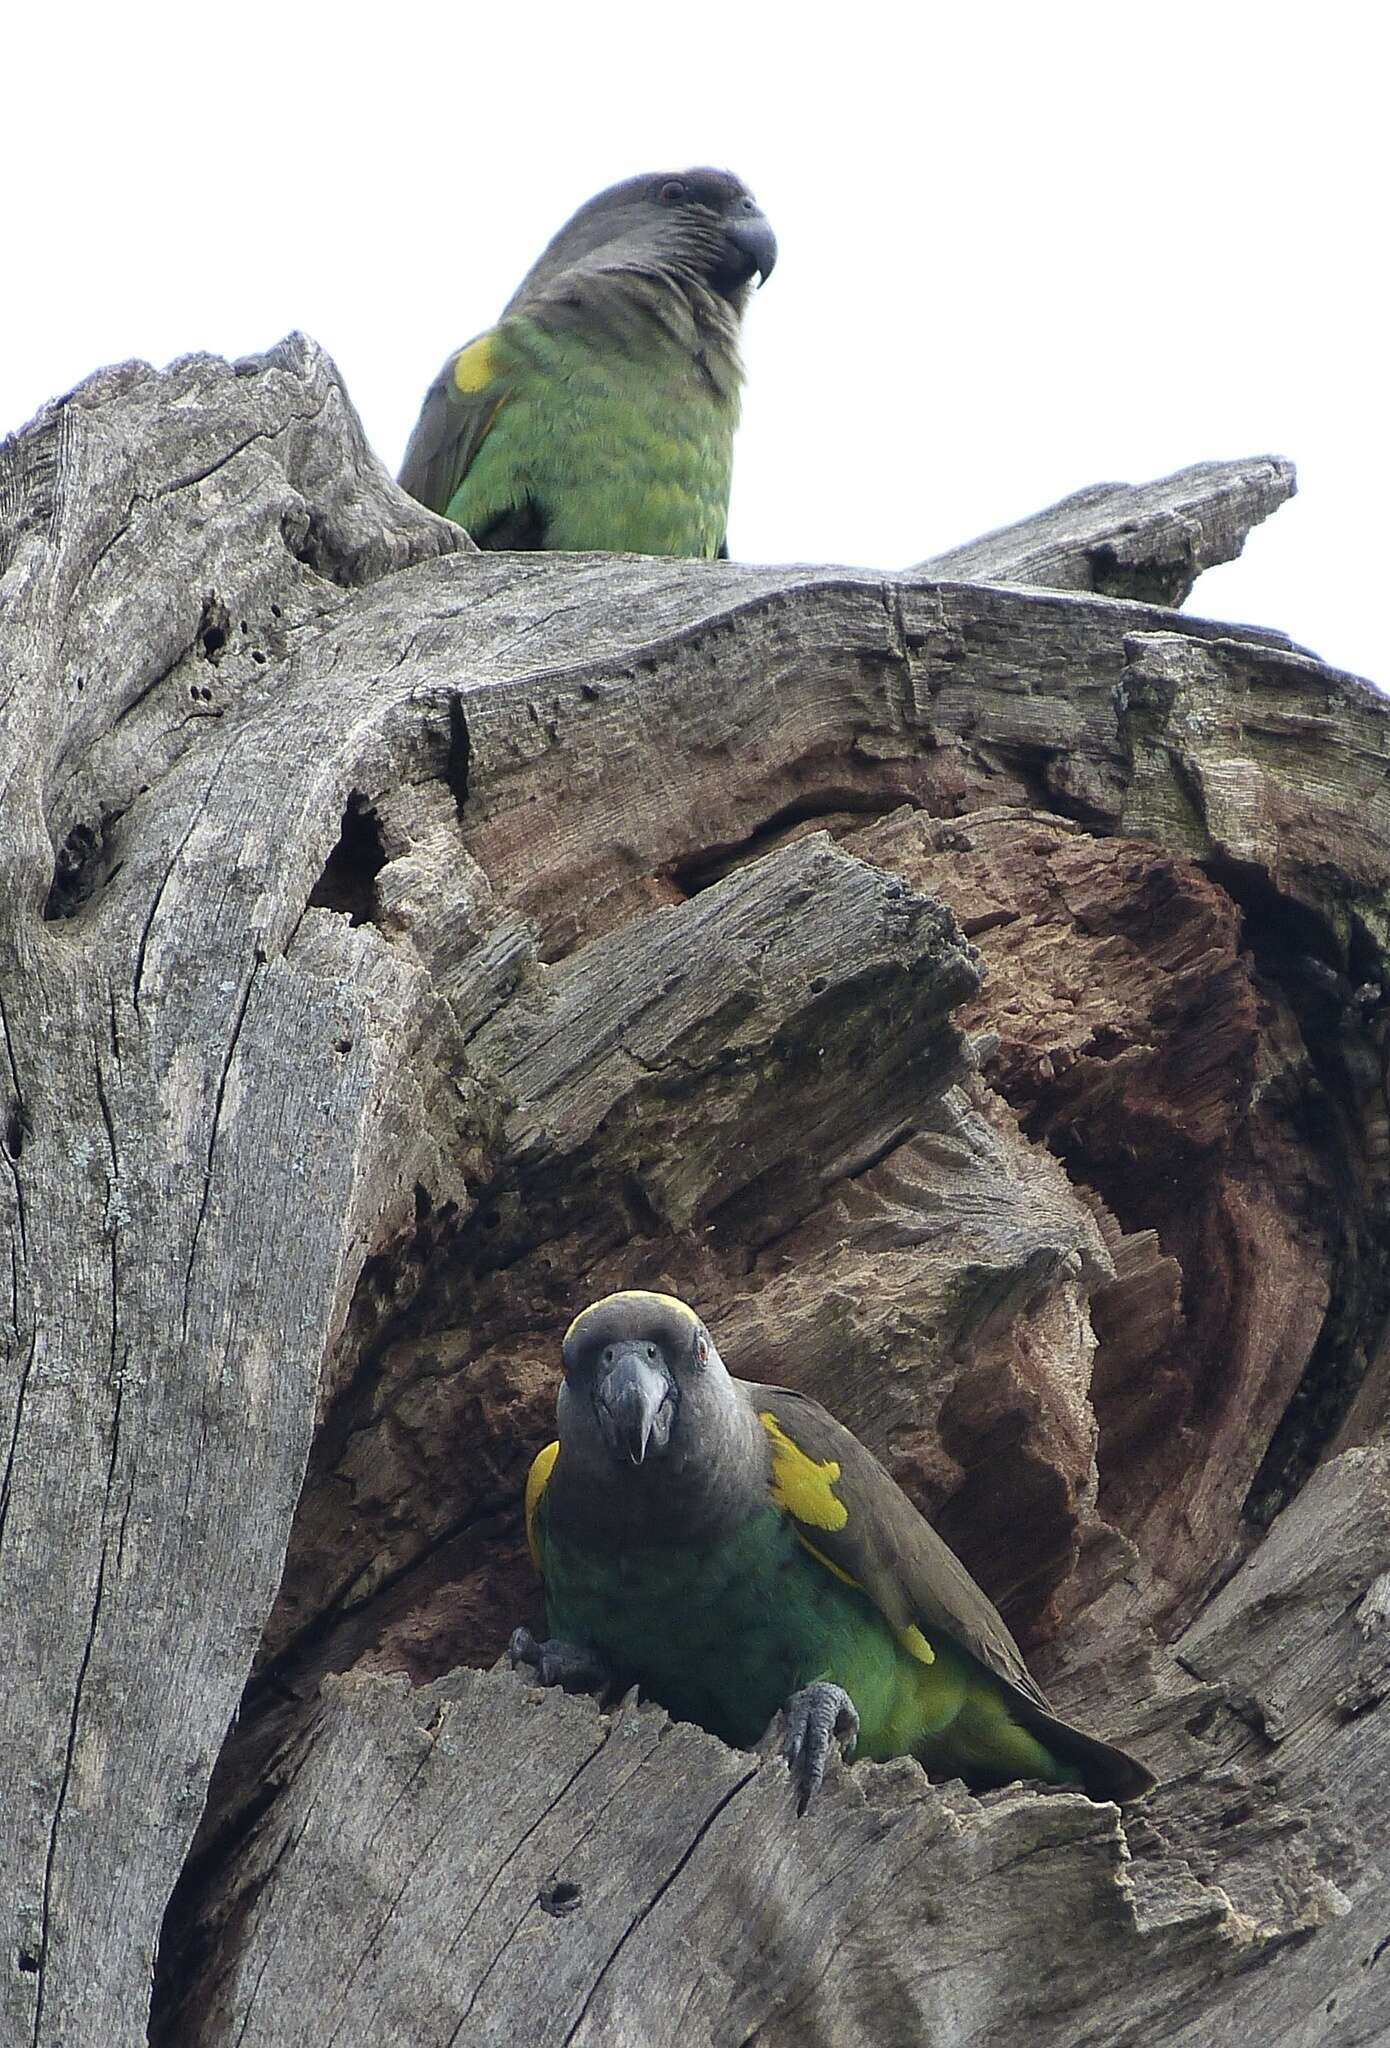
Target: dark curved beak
[634, 1400]
[753, 247]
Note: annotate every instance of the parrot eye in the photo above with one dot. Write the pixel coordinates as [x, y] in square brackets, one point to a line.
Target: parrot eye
[673, 192]
[610, 1352]
[701, 1348]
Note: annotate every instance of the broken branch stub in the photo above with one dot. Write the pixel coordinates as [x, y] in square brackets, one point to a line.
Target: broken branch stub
[1146, 541]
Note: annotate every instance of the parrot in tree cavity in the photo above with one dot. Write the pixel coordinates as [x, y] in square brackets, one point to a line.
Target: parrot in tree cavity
[736, 1552]
[600, 411]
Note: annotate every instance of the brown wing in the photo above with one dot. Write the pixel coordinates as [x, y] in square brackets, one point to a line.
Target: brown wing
[459, 408]
[858, 1520]
[887, 1547]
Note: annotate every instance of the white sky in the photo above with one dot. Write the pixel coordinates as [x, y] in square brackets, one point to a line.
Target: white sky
[1023, 248]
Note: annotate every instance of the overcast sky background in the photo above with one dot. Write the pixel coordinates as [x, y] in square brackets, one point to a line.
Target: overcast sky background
[1023, 248]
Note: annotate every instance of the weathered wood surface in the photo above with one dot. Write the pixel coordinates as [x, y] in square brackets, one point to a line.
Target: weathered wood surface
[1145, 541]
[972, 998]
[635, 1882]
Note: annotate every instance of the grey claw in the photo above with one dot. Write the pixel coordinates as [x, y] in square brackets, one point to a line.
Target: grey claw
[814, 1716]
[556, 1663]
[523, 1648]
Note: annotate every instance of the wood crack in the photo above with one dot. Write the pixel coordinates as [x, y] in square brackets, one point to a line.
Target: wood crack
[218, 1100]
[658, 1895]
[17, 1118]
[74, 1717]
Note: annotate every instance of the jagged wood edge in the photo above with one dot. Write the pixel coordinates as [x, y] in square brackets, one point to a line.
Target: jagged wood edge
[628, 1878]
[1146, 541]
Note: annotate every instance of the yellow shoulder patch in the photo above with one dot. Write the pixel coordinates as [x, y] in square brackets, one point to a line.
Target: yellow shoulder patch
[806, 1489]
[633, 1294]
[804, 1486]
[537, 1479]
[475, 366]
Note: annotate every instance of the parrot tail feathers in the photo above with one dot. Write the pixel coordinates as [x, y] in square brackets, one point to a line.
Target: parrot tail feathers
[1106, 1772]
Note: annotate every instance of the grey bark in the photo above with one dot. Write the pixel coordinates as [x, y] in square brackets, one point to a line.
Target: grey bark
[636, 1882]
[402, 945]
[1150, 541]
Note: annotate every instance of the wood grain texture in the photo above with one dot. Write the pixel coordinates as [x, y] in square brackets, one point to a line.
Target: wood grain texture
[1147, 541]
[555, 1874]
[973, 998]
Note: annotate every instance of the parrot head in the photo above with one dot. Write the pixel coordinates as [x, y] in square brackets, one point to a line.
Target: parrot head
[642, 1379]
[700, 227]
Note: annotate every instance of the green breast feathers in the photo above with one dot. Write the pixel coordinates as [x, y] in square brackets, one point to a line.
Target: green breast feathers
[737, 1552]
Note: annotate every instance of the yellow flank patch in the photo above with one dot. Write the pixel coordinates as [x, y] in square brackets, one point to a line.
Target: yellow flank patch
[821, 1559]
[916, 1644]
[475, 366]
[536, 1481]
[804, 1486]
[633, 1294]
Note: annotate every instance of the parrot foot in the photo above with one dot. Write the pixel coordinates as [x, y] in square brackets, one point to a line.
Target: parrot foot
[813, 1717]
[557, 1663]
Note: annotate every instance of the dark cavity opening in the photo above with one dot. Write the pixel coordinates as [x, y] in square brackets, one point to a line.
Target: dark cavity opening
[348, 881]
[458, 759]
[82, 865]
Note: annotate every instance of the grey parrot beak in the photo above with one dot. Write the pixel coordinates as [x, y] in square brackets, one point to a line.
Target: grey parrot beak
[753, 238]
[635, 1403]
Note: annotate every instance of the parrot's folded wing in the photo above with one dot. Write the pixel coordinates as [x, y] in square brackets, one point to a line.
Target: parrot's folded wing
[852, 1514]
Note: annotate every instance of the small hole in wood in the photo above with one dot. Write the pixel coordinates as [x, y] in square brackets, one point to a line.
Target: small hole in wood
[28, 1962]
[559, 1896]
[213, 629]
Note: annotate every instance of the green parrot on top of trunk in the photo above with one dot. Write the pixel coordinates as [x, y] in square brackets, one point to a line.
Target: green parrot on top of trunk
[600, 411]
[737, 1552]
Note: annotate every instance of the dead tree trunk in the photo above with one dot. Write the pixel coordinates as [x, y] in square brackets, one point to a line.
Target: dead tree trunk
[972, 997]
